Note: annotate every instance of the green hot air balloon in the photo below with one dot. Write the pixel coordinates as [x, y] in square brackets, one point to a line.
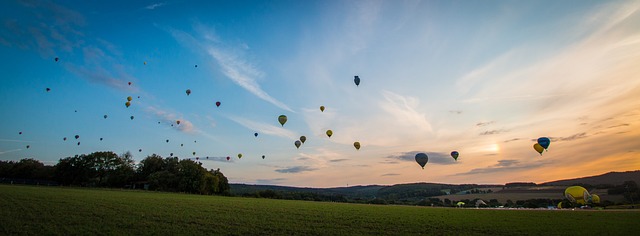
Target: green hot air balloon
[321, 108]
[422, 159]
[239, 155]
[282, 119]
[329, 133]
[303, 138]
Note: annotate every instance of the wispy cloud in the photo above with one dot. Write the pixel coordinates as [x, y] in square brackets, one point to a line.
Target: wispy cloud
[9, 151]
[338, 160]
[270, 181]
[264, 128]
[295, 169]
[171, 118]
[480, 124]
[155, 5]
[404, 110]
[506, 166]
[230, 60]
[390, 174]
[491, 132]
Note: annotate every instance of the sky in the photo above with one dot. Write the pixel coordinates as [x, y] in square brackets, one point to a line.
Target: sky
[484, 78]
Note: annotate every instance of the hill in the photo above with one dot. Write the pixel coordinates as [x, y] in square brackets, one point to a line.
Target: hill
[611, 178]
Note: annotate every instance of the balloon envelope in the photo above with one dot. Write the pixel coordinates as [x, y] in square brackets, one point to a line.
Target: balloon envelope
[228, 158]
[356, 80]
[255, 134]
[577, 195]
[282, 119]
[239, 155]
[455, 155]
[105, 116]
[129, 98]
[127, 104]
[217, 104]
[538, 148]
[356, 145]
[329, 133]
[303, 138]
[297, 143]
[422, 159]
[544, 142]
[188, 92]
[322, 108]
[262, 156]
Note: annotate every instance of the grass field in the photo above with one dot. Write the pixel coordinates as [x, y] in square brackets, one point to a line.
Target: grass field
[28, 210]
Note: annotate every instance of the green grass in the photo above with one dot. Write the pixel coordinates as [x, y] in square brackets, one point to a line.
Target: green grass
[70, 211]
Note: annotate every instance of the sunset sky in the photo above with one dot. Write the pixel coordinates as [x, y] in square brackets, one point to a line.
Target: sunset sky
[484, 78]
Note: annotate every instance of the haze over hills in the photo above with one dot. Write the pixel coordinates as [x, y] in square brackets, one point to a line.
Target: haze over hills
[417, 191]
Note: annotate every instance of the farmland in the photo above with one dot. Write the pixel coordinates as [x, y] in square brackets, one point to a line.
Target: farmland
[56, 210]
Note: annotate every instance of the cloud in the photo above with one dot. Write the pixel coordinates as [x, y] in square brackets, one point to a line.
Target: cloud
[616, 126]
[434, 157]
[390, 174]
[231, 62]
[480, 124]
[404, 110]
[264, 128]
[171, 118]
[506, 166]
[511, 140]
[457, 112]
[10, 151]
[155, 5]
[491, 132]
[295, 169]
[338, 160]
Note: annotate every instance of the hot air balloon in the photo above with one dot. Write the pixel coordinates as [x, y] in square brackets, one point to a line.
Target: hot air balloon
[167, 140]
[196, 66]
[282, 119]
[544, 142]
[303, 138]
[197, 158]
[329, 133]
[595, 198]
[228, 158]
[145, 63]
[56, 59]
[178, 122]
[138, 96]
[356, 145]
[64, 139]
[139, 150]
[129, 83]
[297, 143]
[100, 139]
[255, 134]
[20, 132]
[188, 92]
[131, 117]
[127, 104]
[28, 146]
[105, 116]
[129, 98]
[171, 154]
[218, 104]
[262, 156]
[577, 195]
[321, 108]
[422, 159]
[538, 148]
[455, 155]
[239, 155]
[78, 143]
[194, 153]
[77, 136]
[48, 89]
[356, 80]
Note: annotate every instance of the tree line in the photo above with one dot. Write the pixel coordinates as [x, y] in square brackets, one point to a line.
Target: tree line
[107, 169]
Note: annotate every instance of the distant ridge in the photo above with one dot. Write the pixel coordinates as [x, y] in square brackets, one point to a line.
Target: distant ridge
[613, 178]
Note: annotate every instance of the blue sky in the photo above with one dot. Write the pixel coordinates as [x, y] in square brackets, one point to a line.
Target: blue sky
[483, 78]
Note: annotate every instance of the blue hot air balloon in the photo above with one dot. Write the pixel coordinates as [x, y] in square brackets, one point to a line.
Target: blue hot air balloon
[544, 142]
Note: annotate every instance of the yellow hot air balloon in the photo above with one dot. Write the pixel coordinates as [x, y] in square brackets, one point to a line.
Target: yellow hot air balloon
[329, 133]
[127, 104]
[282, 119]
[129, 98]
[595, 198]
[322, 108]
[145, 63]
[538, 148]
[357, 145]
[577, 195]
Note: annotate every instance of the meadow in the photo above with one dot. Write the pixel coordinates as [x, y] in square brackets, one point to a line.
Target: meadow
[29, 210]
